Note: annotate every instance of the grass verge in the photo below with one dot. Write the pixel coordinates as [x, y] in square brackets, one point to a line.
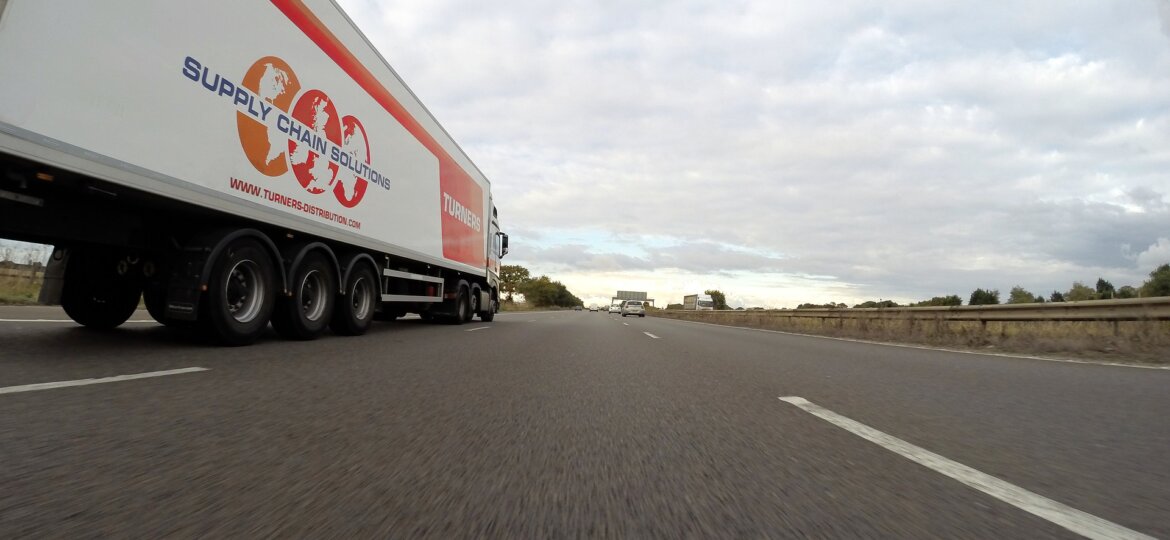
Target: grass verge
[1145, 342]
[19, 291]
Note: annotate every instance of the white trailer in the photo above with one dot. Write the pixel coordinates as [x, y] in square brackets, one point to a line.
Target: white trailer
[234, 163]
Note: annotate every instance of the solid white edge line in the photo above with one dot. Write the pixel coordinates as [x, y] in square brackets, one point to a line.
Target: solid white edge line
[59, 320]
[1082, 523]
[925, 348]
[474, 329]
[651, 335]
[86, 382]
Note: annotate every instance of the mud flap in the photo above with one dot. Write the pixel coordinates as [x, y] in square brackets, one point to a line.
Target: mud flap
[54, 278]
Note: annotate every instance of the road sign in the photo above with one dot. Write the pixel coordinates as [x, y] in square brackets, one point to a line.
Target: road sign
[630, 295]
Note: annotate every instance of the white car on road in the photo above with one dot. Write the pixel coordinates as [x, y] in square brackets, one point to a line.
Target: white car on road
[633, 307]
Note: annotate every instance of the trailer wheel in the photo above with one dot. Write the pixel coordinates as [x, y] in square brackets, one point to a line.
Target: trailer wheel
[241, 293]
[96, 294]
[353, 313]
[305, 314]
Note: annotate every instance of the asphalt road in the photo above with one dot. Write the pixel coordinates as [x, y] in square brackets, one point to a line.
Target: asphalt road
[552, 425]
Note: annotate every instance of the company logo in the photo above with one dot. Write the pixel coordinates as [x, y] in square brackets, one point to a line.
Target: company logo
[283, 128]
[461, 213]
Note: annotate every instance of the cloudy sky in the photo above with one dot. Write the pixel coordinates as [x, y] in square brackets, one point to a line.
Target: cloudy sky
[806, 151]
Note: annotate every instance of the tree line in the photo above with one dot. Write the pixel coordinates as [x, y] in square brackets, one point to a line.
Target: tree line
[1157, 285]
[540, 291]
[545, 292]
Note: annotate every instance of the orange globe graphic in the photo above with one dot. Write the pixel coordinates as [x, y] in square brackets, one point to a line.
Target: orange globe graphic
[274, 83]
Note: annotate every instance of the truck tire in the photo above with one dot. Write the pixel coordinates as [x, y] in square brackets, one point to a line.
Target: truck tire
[473, 303]
[95, 295]
[305, 315]
[353, 313]
[462, 306]
[241, 293]
[489, 315]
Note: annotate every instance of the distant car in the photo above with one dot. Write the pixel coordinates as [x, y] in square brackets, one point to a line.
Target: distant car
[616, 308]
[576, 308]
[633, 307]
[592, 307]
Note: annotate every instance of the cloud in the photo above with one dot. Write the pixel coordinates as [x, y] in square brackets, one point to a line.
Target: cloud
[1164, 15]
[1156, 255]
[900, 150]
[696, 257]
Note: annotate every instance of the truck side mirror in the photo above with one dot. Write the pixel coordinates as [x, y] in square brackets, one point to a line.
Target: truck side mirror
[503, 244]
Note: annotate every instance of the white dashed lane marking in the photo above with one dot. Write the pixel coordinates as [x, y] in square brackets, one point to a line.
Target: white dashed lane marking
[86, 382]
[1079, 522]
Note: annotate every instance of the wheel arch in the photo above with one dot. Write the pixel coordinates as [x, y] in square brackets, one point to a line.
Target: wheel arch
[229, 236]
[355, 260]
[302, 250]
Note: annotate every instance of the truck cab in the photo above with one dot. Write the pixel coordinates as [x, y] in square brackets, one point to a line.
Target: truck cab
[698, 302]
[705, 303]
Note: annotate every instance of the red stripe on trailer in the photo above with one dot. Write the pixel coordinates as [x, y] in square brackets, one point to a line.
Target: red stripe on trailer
[461, 242]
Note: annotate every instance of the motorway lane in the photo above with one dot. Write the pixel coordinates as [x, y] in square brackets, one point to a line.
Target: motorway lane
[552, 424]
[1091, 436]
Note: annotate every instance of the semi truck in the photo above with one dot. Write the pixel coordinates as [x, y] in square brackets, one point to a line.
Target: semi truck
[700, 302]
[234, 164]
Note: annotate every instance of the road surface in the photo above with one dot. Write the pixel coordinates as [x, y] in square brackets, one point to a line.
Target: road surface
[566, 424]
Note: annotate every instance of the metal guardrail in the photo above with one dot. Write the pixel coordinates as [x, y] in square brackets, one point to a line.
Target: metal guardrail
[1129, 309]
